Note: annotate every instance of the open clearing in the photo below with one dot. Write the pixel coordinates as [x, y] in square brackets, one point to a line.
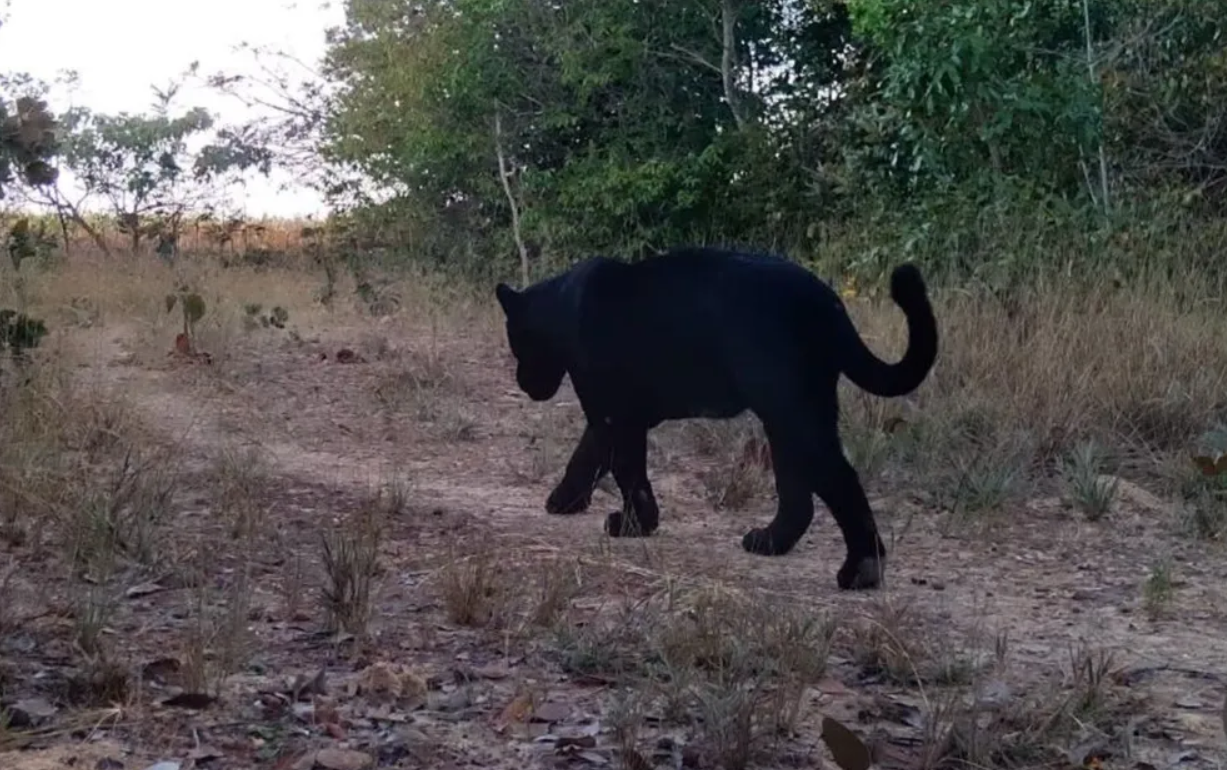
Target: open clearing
[500, 636]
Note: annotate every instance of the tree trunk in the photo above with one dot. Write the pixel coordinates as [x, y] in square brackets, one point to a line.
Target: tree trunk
[63, 207]
[728, 59]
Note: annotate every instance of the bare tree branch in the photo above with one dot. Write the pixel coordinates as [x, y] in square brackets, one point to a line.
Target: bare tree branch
[504, 176]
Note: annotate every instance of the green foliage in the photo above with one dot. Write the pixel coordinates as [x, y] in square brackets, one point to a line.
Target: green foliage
[1163, 90]
[983, 139]
[143, 166]
[972, 91]
[613, 120]
[192, 306]
[28, 142]
[136, 163]
[19, 332]
[27, 241]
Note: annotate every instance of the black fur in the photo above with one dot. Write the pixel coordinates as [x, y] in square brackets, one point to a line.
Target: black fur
[711, 333]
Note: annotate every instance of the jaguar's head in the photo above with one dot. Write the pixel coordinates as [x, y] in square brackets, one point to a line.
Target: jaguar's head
[539, 365]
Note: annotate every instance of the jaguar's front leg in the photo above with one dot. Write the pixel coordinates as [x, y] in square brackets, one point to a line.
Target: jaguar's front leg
[640, 516]
[589, 462]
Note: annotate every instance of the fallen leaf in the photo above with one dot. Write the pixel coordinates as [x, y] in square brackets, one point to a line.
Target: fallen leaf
[594, 758]
[390, 681]
[894, 710]
[190, 700]
[143, 589]
[517, 711]
[334, 730]
[994, 693]
[830, 686]
[581, 742]
[162, 670]
[492, 672]
[1211, 466]
[893, 424]
[304, 686]
[30, 712]
[343, 759]
[202, 754]
[848, 751]
[633, 760]
[551, 712]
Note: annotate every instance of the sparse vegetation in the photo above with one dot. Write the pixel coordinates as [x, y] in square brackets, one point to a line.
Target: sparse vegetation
[1157, 588]
[120, 491]
[350, 558]
[1085, 483]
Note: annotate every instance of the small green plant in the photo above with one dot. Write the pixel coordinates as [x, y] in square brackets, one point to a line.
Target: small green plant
[19, 333]
[1089, 490]
[984, 484]
[1204, 487]
[1157, 590]
[380, 300]
[193, 307]
[26, 242]
[254, 317]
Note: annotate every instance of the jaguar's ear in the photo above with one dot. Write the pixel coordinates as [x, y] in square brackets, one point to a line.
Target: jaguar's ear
[508, 297]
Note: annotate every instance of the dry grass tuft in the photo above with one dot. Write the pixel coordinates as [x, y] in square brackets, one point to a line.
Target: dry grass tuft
[471, 587]
[350, 556]
[216, 640]
[731, 670]
[238, 479]
[1139, 365]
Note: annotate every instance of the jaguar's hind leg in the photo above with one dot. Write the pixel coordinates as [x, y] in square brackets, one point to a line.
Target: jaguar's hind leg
[840, 488]
[809, 459]
[795, 500]
[588, 463]
[640, 516]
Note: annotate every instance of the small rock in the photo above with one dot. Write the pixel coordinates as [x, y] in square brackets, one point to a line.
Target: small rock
[492, 672]
[450, 702]
[995, 693]
[551, 712]
[162, 671]
[30, 712]
[164, 765]
[107, 763]
[409, 736]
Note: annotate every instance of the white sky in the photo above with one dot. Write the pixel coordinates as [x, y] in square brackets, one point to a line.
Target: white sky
[120, 48]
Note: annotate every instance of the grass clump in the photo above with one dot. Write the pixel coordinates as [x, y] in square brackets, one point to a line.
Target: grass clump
[1086, 486]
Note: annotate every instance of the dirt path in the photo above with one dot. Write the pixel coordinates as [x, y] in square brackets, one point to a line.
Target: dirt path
[1044, 579]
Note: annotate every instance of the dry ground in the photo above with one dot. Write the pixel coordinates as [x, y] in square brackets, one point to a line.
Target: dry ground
[346, 561]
